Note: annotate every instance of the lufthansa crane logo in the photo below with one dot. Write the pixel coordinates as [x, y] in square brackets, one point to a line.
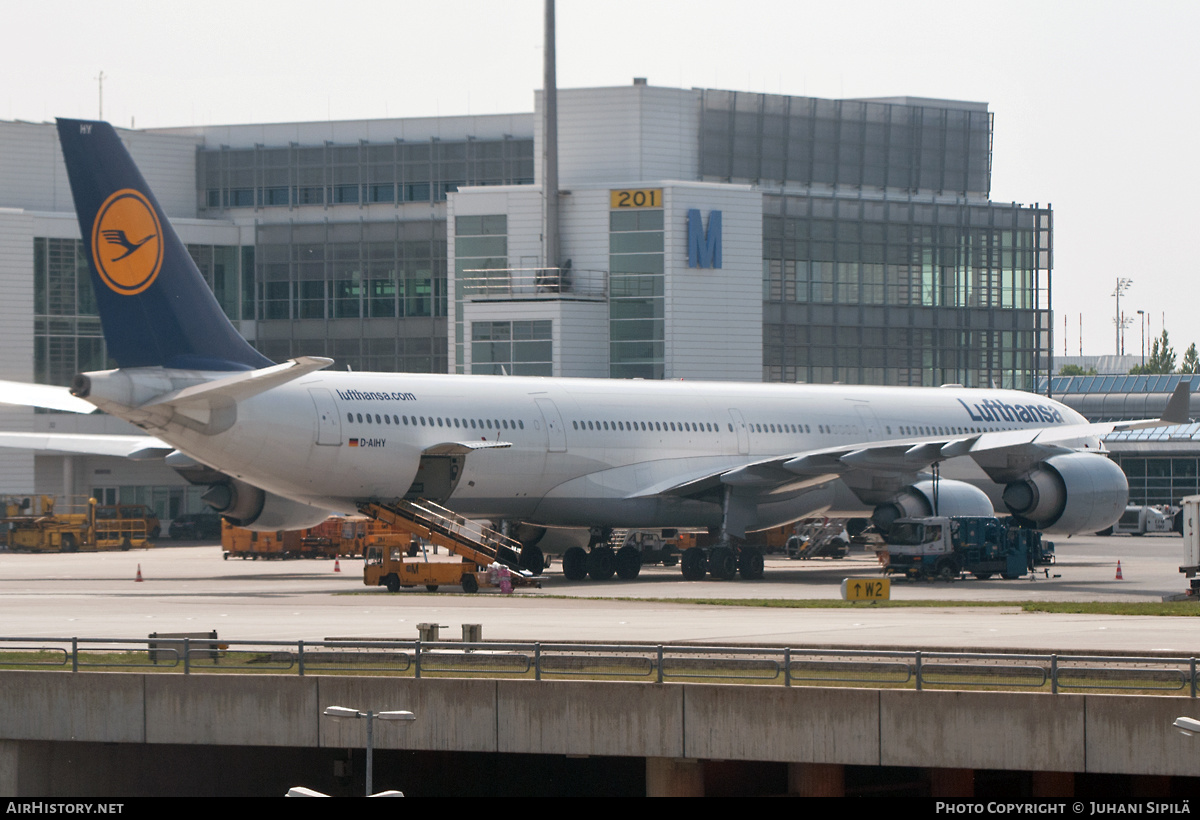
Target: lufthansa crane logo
[127, 242]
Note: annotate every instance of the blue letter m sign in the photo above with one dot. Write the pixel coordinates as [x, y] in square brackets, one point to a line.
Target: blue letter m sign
[704, 249]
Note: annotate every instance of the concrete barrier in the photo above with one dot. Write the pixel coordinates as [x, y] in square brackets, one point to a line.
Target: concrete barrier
[942, 729]
[982, 730]
[231, 710]
[790, 725]
[63, 706]
[452, 714]
[606, 718]
[1133, 735]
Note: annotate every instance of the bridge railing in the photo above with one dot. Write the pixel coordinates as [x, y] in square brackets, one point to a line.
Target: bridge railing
[651, 663]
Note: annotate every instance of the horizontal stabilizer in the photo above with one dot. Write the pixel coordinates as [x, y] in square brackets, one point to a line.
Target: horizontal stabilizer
[47, 396]
[245, 384]
[140, 448]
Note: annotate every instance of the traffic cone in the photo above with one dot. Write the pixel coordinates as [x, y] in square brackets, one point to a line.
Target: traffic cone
[337, 564]
[138, 579]
[1119, 577]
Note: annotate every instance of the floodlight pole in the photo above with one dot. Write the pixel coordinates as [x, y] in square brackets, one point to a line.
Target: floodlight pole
[1142, 321]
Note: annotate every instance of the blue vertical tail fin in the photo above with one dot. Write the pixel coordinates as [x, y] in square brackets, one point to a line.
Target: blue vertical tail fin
[155, 306]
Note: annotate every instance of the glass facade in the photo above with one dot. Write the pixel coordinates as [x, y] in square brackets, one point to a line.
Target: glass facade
[519, 348]
[1160, 480]
[362, 173]
[480, 245]
[348, 290]
[636, 287]
[804, 141]
[66, 325]
[883, 260]
[874, 291]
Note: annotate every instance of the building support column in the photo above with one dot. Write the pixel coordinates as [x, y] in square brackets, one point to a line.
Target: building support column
[68, 479]
[10, 755]
[817, 779]
[952, 783]
[1053, 784]
[674, 777]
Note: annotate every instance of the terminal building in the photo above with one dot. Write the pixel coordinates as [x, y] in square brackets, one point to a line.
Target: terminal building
[1161, 463]
[704, 234]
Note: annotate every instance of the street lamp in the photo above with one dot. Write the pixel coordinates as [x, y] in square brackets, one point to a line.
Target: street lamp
[341, 712]
[1187, 726]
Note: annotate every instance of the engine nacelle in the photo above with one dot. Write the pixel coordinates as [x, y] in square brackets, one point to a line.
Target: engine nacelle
[916, 501]
[246, 506]
[1074, 492]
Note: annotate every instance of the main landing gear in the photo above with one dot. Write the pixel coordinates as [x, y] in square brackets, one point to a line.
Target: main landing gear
[722, 556]
[600, 561]
[723, 563]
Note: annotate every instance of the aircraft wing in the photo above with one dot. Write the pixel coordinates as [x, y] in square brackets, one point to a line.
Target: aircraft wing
[1003, 455]
[46, 396]
[138, 448]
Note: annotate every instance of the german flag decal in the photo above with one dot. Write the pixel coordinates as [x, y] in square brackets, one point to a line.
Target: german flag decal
[353, 442]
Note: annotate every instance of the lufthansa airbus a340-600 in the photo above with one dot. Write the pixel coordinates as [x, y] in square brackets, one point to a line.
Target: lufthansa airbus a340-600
[283, 445]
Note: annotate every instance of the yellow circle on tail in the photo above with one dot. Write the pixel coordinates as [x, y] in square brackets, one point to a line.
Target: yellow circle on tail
[127, 245]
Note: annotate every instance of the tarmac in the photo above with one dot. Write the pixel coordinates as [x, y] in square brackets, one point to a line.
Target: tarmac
[189, 588]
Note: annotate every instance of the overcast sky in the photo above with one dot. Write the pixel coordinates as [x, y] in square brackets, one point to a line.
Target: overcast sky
[1096, 104]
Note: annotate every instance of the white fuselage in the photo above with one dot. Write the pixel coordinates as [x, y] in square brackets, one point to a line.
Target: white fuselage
[583, 451]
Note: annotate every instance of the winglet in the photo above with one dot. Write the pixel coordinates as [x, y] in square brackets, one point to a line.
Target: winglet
[1178, 405]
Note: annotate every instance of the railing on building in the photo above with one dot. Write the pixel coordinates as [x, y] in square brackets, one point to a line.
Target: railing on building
[659, 663]
[533, 283]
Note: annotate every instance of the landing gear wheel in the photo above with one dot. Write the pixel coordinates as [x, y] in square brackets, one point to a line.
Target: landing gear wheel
[629, 563]
[126, 544]
[470, 584]
[750, 564]
[574, 563]
[392, 583]
[982, 576]
[693, 564]
[532, 559]
[722, 564]
[507, 556]
[601, 563]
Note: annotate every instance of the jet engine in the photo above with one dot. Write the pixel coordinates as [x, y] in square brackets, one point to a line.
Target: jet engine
[245, 505]
[916, 500]
[1073, 492]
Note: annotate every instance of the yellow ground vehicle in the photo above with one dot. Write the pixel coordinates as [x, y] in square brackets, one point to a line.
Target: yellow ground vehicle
[334, 537]
[387, 565]
[399, 560]
[343, 536]
[107, 514]
[240, 543]
[41, 524]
